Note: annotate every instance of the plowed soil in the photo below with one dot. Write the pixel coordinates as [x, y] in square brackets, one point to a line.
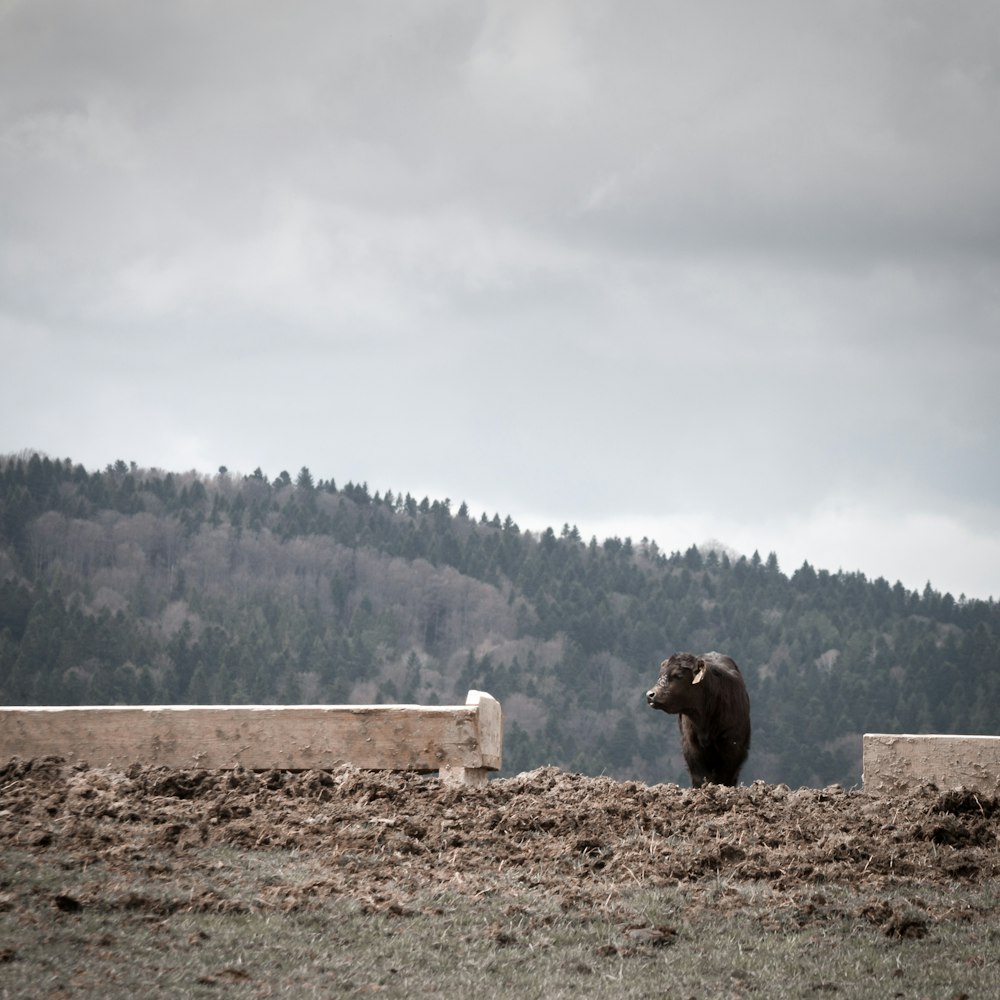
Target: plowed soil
[382, 839]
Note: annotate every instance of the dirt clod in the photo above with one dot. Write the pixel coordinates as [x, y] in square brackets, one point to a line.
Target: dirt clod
[384, 838]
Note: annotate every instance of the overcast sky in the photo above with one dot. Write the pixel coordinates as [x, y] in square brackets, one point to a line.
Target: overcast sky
[715, 271]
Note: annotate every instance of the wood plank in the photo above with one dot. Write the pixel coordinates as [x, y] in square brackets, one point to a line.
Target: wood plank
[261, 737]
[490, 720]
[895, 763]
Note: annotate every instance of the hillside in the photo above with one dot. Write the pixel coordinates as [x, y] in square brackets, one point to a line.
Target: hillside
[130, 585]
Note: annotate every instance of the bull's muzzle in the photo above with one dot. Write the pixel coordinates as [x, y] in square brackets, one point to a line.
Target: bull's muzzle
[650, 694]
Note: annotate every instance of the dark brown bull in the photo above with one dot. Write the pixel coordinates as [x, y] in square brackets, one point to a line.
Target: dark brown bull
[708, 694]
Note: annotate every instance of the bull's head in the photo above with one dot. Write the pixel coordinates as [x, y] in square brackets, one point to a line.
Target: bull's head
[672, 692]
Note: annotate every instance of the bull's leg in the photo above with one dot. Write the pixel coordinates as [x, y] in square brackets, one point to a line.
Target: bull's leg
[697, 771]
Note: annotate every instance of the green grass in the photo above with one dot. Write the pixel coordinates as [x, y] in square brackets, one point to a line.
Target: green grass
[261, 924]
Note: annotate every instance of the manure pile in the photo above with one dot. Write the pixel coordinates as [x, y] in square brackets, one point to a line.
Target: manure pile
[385, 838]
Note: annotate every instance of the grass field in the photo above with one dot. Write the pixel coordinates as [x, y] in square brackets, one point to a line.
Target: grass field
[157, 882]
[85, 931]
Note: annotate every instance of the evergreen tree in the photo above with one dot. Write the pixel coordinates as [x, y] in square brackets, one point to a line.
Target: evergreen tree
[130, 585]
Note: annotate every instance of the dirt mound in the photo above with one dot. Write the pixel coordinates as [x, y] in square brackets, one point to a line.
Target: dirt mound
[382, 838]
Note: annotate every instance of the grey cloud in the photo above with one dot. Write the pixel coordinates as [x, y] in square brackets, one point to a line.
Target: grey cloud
[577, 260]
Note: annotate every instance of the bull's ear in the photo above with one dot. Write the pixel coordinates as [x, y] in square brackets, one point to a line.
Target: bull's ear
[699, 674]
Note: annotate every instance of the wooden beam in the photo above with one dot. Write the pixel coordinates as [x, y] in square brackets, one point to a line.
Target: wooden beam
[452, 739]
[898, 763]
[489, 717]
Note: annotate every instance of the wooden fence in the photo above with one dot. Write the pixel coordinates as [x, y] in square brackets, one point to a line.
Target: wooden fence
[896, 763]
[462, 742]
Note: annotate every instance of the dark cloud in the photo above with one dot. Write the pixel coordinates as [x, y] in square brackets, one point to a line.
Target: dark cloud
[723, 272]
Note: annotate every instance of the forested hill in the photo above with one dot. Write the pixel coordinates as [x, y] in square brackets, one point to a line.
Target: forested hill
[137, 586]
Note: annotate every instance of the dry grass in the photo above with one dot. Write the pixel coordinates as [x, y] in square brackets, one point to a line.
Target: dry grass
[232, 927]
[315, 884]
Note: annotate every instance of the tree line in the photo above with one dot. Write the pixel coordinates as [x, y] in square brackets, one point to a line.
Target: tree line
[134, 586]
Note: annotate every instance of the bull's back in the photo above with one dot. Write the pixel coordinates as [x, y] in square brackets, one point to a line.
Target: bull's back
[724, 665]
